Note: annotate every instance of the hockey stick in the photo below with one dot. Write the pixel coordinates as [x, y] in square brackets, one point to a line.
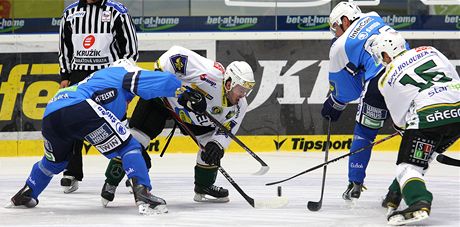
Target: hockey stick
[264, 168]
[335, 159]
[441, 158]
[277, 202]
[315, 206]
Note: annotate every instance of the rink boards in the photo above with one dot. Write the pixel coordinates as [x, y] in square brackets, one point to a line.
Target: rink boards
[183, 144]
[291, 71]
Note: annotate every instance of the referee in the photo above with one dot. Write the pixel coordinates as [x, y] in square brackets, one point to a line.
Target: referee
[93, 34]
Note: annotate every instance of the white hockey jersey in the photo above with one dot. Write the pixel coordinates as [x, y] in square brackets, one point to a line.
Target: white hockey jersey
[421, 89]
[206, 76]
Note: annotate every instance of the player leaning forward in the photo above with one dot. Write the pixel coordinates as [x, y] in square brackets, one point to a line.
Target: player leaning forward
[422, 92]
[91, 110]
[225, 92]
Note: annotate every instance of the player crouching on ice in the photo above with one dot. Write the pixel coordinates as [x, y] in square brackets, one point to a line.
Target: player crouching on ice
[91, 110]
[225, 91]
[422, 92]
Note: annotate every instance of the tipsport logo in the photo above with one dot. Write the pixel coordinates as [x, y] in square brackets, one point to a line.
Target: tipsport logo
[8, 25]
[148, 24]
[399, 22]
[309, 22]
[231, 23]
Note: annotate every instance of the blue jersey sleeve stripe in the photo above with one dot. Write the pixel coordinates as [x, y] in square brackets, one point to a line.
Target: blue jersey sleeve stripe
[136, 82]
[127, 80]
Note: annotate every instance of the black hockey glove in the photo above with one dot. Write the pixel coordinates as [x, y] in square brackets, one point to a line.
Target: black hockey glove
[212, 153]
[192, 100]
[332, 108]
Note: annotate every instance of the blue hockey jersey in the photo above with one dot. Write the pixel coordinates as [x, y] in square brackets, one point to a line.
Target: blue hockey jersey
[114, 87]
[351, 62]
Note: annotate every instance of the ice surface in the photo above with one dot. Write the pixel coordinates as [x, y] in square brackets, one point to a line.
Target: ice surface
[172, 179]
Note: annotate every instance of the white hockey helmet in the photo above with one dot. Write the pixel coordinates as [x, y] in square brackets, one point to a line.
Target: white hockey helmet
[343, 9]
[390, 42]
[240, 73]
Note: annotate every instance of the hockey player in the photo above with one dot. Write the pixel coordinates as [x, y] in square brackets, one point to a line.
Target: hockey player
[352, 75]
[225, 92]
[91, 110]
[422, 91]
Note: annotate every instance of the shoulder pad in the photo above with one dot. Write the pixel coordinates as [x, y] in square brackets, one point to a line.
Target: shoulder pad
[71, 6]
[118, 6]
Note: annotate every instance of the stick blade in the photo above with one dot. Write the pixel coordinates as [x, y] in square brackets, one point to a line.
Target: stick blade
[314, 206]
[274, 203]
[263, 170]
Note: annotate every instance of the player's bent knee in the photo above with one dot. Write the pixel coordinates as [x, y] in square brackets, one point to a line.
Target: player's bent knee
[406, 171]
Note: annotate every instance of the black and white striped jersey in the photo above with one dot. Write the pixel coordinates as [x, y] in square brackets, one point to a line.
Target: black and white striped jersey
[92, 36]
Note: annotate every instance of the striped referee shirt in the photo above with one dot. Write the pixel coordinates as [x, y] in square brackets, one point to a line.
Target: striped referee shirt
[92, 36]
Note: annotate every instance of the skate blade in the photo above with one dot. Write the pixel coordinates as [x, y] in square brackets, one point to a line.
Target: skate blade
[390, 210]
[400, 220]
[10, 205]
[202, 198]
[352, 203]
[104, 202]
[69, 189]
[145, 210]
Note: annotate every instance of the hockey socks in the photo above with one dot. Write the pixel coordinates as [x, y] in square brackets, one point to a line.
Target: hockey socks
[205, 190]
[205, 176]
[357, 163]
[134, 166]
[414, 190]
[114, 172]
[41, 175]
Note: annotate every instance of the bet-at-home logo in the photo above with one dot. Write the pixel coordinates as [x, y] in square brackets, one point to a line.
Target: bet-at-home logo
[229, 23]
[156, 23]
[8, 25]
[309, 22]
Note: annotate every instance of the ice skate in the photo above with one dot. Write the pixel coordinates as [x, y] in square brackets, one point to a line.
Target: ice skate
[128, 185]
[107, 193]
[22, 199]
[211, 194]
[69, 184]
[414, 213]
[147, 203]
[353, 192]
[391, 201]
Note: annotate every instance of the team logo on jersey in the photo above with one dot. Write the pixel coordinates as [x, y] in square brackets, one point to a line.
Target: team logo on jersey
[76, 14]
[106, 16]
[228, 125]
[230, 114]
[183, 115]
[216, 110]
[104, 96]
[99, 135]
[121, 129]
[422, 151]
[49, 151]
[179, 63]
[363, 35]
[89, 41]
[205, 78]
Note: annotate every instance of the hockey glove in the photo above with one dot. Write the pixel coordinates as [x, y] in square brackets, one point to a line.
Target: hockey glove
[399, 130]
[192, 100]
[213, 153]
[332, 108]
